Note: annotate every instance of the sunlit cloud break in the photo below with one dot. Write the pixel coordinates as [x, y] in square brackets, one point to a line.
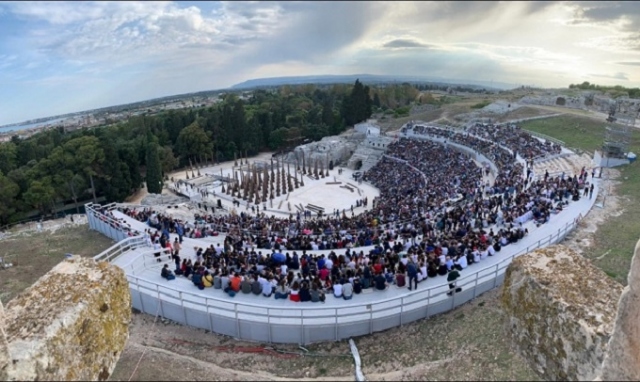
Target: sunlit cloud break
[59, 57]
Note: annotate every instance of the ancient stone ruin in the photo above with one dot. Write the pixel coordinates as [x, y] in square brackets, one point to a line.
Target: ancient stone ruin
[72, 324]
[562, 311]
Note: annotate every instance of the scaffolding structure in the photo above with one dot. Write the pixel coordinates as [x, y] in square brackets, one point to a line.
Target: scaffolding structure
[617, 135]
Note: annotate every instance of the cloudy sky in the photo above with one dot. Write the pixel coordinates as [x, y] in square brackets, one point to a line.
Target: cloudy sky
[63, 57]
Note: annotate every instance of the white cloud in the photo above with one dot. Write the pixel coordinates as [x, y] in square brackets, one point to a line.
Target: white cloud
[130, 51]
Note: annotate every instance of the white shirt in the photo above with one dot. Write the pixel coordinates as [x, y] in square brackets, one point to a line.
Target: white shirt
[329, 264]
[462, 262]
[492, 251]
[484, 254]
[266, 286]
[337, 290]
[476, 257]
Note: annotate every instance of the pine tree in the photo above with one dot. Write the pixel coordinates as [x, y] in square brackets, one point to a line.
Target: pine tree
[154, 169]
[376, 100]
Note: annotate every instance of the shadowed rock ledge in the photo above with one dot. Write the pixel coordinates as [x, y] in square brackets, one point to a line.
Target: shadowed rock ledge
[561, 312]
[622, 362]
[72, 324]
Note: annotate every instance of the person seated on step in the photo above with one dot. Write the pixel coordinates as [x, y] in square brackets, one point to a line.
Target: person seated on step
[347, 290]
[166, 273]
[245, 285]
[401, 279]
[380, 282]
[224, 280]
[305, 292]
[267, 286]
[217, 279]
[207, 280]
[337, 288]
[256, 286]
[316, 293]
[197, 280]
[294, 294]
[357, 286]
[234, 284]
[282, 290]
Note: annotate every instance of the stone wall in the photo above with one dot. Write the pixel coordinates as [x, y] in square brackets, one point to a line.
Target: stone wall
[334, 149]
[554, 100]
[622, 362]
[561, 312]
[72, 324]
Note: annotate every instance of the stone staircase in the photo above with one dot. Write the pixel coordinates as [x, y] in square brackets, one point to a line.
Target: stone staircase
[369, 152]
[362, 155]
[570, 165]
[371, 160]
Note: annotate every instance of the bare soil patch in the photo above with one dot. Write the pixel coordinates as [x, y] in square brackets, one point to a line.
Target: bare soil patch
[583, 238]
[466, 344]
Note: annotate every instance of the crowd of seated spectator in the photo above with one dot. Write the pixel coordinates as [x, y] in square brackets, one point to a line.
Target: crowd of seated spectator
[517, 140]
[413, 221]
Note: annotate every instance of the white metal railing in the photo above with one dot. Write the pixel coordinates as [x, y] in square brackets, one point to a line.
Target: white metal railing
[365, 313]
[544, 136]
[468, 281]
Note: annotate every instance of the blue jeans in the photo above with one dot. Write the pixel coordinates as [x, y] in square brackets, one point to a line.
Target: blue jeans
[281, 296]
[347, 298]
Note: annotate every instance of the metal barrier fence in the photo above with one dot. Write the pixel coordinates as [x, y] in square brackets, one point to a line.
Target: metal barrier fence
[545, 137]
[306, 324]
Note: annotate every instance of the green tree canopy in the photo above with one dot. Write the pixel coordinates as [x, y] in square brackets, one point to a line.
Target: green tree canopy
[193, 141]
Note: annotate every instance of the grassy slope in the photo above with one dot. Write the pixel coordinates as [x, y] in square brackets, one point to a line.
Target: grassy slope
[620, 233]
[34, 254]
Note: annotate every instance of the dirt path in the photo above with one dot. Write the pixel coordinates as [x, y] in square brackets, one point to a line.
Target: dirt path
[582, 238]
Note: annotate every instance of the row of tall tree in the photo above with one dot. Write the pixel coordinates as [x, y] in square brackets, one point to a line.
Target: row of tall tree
[55, 167]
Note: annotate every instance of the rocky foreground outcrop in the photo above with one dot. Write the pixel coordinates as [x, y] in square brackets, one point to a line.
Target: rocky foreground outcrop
[72, 324]
[561, 312]
[622, 362]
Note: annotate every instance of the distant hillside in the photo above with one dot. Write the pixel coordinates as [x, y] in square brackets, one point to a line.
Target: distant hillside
[366, 78]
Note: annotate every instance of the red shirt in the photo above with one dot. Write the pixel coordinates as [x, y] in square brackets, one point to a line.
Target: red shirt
[377, 268]
[235, 284]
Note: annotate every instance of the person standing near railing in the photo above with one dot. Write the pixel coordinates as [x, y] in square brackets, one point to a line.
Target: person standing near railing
[412, 272]
[451, 278]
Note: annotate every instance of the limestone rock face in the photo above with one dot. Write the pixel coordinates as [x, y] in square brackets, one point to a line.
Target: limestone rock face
[622, 362]
[561, 311]
[72, 324]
